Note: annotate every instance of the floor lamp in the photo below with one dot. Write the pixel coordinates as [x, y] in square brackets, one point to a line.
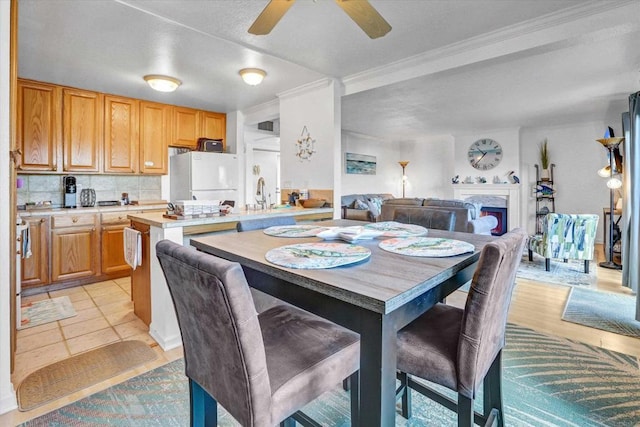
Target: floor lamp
[613, 183]
[404, 177]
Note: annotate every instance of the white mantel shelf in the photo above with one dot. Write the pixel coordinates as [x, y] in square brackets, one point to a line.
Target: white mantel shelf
[511, 192]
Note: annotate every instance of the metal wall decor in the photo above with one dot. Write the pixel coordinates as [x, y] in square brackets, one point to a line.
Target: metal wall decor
[305, 145]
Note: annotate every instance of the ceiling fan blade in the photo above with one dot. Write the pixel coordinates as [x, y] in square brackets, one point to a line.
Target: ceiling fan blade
[270, 16]
[366, 17]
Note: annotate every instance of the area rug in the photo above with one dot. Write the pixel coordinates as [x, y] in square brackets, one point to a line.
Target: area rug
[547, 381]
[67, 376]
[570, 273]
[602, 310]
[46, 311]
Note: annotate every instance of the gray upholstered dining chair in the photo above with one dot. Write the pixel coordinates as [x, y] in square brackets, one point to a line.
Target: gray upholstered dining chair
[428, 218]
[461, 349]
[261, 300]
[262, 368]
[256, 224]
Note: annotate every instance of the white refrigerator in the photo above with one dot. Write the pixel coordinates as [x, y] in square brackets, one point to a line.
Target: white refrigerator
[199, 175]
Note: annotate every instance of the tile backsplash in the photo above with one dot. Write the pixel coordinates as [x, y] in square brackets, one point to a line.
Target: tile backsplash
[41, 188]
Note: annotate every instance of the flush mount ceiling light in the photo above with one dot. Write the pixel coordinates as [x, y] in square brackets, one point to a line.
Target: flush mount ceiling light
[252, 76]
[162, 83]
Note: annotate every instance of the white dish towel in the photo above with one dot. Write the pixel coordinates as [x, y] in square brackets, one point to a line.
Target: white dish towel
[132, 247]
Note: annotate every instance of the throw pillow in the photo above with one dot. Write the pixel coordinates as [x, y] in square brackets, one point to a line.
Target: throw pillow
[360, 205]
[375, 206]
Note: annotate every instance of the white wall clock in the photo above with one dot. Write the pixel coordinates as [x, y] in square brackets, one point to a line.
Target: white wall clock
[485, 154]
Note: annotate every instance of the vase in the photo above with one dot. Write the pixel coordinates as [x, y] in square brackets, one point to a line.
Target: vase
[544, 175]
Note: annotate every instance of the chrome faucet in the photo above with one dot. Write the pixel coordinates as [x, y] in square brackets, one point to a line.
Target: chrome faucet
[261, 198]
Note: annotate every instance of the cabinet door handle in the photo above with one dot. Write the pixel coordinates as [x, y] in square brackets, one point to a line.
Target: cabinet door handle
[93, 229]
[19, 238]
[74, 220]
[41, 219]
[148, 163]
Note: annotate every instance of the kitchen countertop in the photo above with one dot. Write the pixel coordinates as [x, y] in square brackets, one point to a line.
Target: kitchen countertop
[155, 219]
[89, 210]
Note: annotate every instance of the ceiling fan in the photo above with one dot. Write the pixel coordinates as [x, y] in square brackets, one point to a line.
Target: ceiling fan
[360, 11]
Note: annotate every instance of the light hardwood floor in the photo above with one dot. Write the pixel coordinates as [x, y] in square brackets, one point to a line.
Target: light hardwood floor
[106, 311]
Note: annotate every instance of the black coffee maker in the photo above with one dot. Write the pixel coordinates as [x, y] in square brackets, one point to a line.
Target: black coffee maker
[70, 196]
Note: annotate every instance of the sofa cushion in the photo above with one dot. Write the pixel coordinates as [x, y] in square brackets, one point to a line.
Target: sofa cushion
[405, 201]
[473, 208]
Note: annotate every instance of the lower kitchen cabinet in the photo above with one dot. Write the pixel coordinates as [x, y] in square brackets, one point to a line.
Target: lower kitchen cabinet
[112, 243]
[141, 278]
[74, 247]
[35, 269]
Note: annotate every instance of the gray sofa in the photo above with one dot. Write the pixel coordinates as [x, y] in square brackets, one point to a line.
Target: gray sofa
[467, 218]
[359, 207]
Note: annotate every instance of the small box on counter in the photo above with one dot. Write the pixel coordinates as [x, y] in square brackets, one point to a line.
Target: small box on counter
[196, 207]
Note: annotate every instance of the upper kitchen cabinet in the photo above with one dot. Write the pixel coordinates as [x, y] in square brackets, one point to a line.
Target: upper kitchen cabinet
[214, 126]
[82, 133]
[121, 128]
[186, 127]
[39, 125]
[154, 137]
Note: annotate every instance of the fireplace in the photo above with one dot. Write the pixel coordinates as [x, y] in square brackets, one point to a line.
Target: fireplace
[501, 215]
[500, 195]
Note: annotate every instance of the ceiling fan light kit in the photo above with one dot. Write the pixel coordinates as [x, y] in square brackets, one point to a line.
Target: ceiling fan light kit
[252, 76]
[162, 83]
[360, 11]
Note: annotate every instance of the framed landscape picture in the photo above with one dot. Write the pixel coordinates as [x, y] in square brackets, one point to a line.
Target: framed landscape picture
[360, 164]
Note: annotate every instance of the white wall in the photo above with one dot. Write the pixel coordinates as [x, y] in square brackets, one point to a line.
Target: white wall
[388, 172]
[577, 156]
[318, 108]
[7, 394]
[430, 167]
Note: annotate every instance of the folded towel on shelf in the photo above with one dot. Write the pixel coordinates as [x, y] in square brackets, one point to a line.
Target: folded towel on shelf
[132, 247]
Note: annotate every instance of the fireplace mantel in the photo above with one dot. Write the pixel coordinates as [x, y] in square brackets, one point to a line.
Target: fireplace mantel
[510, 192]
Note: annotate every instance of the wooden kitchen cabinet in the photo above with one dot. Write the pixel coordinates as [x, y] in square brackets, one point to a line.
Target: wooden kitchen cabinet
[112, 243]
[186, 127]
[121, 129]
[214, 126]
[141, 278]
[154, 137]
[39, 123]
[74, 247]
[35, 269]
[82, 133]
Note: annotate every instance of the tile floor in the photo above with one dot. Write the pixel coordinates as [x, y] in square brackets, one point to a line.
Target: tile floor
[104, 315]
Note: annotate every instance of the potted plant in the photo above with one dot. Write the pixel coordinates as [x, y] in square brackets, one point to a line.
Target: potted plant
[544, 160]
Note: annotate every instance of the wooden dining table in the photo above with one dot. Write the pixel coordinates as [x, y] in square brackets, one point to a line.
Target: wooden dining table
[374, 298]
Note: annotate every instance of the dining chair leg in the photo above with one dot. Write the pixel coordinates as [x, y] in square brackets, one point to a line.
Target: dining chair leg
[492, 390]
[530, 255]
[204, 408]
[547, 264]
[586, 266]
[405, 404]
[346, 384]
[465, 411]
[354, 385]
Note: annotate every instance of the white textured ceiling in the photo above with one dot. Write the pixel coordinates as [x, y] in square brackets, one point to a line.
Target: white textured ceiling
[446, 66]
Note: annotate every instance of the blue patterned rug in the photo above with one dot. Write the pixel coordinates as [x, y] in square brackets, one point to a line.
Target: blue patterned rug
[570, 273]
[547, 381]
[602, 310]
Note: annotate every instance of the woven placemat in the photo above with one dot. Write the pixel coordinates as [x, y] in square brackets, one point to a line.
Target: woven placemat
[75, 373]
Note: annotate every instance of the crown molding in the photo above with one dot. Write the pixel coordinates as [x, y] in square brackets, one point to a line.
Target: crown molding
[551, 28]
[306, 88]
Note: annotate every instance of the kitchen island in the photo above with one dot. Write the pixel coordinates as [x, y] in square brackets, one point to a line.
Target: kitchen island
[149, 292]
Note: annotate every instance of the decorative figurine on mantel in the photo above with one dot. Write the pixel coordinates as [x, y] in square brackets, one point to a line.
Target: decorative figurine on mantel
[468, 180]
[497, 180]
[481, 179]
[513, 178]
[455, 179]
